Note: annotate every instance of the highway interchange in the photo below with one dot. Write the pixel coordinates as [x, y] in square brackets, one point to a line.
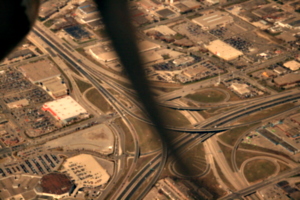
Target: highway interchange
[199, 132]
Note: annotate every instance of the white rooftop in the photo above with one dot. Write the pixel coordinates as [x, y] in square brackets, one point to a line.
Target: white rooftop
[64, 108]
[223, 50]
[240, 88]
[292, 65]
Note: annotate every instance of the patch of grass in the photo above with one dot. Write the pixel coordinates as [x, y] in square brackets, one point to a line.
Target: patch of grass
[207, 96]
[148, 138]
[166, 56]
[231, 136]
[283, 167]
[129, 146]
[259, 169]
[214, 111]
[227, 153]
[241, 156]
[204, 114]
[191, 163]
[173, 117]
[266, 113]
[83, 86]
[178, 36]
[49, 23]
[262, 149]
[98, 100]
[222, 176]
[233, 96]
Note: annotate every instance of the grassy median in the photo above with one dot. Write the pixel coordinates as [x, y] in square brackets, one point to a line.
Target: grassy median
[259, 169]
[82, 85]
[98, 100]
[230, 137]
[173, 117]
[207, 96]
[148, 138]
[266, 113]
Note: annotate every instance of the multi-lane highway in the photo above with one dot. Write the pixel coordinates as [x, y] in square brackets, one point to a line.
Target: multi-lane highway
[156, 165]
[251, 189]
[64, 53]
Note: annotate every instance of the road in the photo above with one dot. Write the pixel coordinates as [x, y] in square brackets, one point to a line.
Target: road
[234, 178]
[127, 189]
[110, 98]
[255, 187]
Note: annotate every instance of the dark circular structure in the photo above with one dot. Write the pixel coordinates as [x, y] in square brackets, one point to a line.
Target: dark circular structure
[55, 183]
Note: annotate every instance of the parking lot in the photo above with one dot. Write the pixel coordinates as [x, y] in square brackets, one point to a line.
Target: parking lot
[171, 66]
[10, 136]
[38, 165]
[35, 121]
[193, 32]
[12, 81]
[201, 70]
[239, 43]
[31, 117]
[36, 96]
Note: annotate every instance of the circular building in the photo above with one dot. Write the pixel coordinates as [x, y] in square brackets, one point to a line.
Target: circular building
[55, 184]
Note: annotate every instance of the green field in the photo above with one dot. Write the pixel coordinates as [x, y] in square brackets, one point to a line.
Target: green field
[266, 113]
[173, 117]
[191, 163]
[207, 96]
[262, 149]
[49, 23]
[148, 138]
[259, 169]
[283, 167]
[214, 111]
[241, 156]
[98, 100]
[231, 136]
[83, 86]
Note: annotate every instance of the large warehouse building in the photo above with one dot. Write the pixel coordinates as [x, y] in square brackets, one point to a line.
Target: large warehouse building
[55, 87]
[40, 71]
[223, 50]
[86, 171]
[287, 79]
[212, 20]
[65, 109]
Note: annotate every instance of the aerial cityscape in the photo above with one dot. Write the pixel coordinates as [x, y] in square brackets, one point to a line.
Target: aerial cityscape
[226, 78]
